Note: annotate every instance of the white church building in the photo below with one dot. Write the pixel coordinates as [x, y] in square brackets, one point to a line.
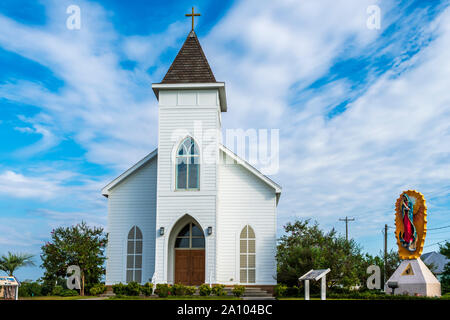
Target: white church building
[191, 211]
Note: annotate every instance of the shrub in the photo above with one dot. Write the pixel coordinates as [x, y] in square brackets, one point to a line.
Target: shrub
[119, 289]
[57, 290]
[292, 291]
[280, 290]
[30, 289]
[133, 289]
[204, 290]
[97, 289]
[179, 289]
[162, 290]
[238, 291]
[219, 290]
[147, 289]
[190, 290]
[69, 293]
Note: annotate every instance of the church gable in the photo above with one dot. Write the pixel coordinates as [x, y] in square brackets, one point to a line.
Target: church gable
[130, 172]
[253, 173]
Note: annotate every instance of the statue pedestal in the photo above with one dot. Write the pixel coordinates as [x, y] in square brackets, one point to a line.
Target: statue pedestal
[414, 278]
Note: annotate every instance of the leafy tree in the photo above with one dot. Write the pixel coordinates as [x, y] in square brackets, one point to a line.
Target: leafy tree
[78, 245]
[445, 279]
[306, 247]
[11, 262]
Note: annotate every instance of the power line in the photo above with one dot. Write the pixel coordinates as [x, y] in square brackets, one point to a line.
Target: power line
[346, 225]
[432, 244]
[438, 228]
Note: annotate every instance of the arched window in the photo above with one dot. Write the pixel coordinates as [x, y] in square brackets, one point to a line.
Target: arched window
[134, 255]
[190, 237]
[187, 165]
[248, 255]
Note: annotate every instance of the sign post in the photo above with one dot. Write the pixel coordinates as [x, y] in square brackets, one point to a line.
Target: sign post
[316, 275]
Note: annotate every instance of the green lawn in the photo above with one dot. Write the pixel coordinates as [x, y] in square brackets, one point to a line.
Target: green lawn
[446, 297]
[175, 298]
[55, 298]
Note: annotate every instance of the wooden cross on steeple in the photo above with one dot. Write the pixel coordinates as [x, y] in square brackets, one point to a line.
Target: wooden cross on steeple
[192, 15]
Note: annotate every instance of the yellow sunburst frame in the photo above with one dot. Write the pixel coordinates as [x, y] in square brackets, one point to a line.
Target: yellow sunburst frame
[419, 220]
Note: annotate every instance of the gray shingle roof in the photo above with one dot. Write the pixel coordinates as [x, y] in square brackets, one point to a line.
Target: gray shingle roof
[190, 64]
[437, 259]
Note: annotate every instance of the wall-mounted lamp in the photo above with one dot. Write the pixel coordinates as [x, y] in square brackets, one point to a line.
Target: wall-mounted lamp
[161, 231]
[209, 231]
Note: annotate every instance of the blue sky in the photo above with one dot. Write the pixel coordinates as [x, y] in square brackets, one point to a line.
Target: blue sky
[363, 114]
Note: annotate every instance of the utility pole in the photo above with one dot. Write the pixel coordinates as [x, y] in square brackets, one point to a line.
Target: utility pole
[385, 251]
[346, 225]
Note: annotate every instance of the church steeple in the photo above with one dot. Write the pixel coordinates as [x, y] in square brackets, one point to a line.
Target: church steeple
[190, 64]
[191, 71]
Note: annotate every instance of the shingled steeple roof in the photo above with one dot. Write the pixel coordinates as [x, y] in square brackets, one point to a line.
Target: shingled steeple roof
[190, 64]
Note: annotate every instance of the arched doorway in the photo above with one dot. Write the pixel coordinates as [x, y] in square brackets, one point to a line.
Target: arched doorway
[189, 254]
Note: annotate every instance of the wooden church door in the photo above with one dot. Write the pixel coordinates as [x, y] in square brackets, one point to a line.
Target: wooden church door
[190, 256]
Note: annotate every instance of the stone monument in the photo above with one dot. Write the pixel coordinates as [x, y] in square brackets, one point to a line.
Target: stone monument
[412, 277]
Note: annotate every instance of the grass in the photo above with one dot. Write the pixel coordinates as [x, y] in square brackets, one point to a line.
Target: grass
[55, 298]
[444, 297]
[174, 298]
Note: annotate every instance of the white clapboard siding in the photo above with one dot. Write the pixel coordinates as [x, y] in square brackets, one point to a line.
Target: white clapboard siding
[132, 202]
[245, 199]
[182, 113]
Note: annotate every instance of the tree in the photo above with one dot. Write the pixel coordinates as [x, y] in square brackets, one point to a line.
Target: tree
[445, 279]
[306, 247]
[77, 245]
[12, 262]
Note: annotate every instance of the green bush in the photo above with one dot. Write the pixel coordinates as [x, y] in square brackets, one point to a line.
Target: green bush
[133, 289]
[30, 289]
[292, 292]
[280, 290]
[238, 291]
[376, 295]
[219, 290]
[69, 293]
[204, 290]
[97, 289]
[120, 289]
[57, 290]
[162, 290]
[147, 289]
[190, 290]
[179, 290]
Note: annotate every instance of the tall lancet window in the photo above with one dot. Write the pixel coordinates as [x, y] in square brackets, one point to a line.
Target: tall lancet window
[187, 165]
[248, 255]
[134, 255]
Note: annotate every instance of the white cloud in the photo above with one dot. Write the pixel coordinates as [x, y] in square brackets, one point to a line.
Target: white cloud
[109, 111]
[17, 185]
[392, 137]
[47, 141]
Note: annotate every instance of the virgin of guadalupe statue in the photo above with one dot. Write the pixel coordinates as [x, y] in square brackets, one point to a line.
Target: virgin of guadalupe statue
[409, 237]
